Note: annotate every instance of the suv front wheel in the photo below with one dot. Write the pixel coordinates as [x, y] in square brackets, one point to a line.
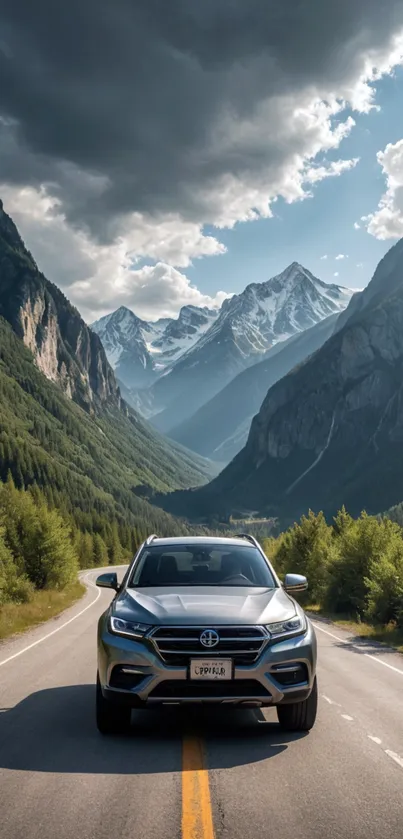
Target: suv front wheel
[111, 718]
[299, 716]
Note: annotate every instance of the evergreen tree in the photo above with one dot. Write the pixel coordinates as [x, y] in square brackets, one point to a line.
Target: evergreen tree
[115, 552]
[101, 557]
[57, 558]
[12, 586]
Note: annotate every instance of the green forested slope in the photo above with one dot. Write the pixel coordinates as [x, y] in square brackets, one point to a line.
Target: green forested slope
[88, 466]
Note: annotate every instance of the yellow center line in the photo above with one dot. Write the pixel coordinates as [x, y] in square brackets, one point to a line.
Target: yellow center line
[197, 817]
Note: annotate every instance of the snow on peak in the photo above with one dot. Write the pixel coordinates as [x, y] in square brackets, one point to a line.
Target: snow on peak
[252, 322]
[127, 340]
[272, 311]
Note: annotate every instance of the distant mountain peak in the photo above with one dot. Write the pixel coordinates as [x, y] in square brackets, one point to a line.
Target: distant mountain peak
[124, 311]
[140, 351]
[121, 315]
[248, 325]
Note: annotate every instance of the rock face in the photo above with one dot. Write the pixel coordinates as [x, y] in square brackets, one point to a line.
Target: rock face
[64, 348]
[331, 431]
[249, 324]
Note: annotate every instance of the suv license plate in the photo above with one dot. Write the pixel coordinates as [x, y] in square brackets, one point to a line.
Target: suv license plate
[207, 668]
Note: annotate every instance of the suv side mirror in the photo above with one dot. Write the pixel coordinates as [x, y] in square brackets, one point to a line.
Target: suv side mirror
[295, 582]
[108, 581]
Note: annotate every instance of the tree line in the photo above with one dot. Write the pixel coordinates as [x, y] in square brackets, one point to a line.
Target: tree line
[354, 566]
[42, 548]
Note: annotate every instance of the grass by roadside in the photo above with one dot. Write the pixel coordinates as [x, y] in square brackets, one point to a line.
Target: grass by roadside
[388, 635]
[15, 618]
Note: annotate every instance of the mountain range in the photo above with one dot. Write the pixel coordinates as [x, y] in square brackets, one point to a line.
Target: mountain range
[311, 410]
[330, 432]
[140, 351]
[222, 343]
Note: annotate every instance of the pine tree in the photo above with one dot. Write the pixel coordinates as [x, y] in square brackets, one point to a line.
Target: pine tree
[101, 557]
[58, 561]
[115, 552]
[13, 586]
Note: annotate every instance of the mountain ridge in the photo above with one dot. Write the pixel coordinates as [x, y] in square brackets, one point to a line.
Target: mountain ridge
[220, 428]
[248, 325]
[140, 351]
[329, 432]
[63, 346]
[70, 356]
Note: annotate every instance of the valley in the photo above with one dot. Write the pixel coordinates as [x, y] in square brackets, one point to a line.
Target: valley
[285, 398]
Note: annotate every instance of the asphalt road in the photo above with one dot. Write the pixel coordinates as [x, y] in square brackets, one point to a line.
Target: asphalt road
[225, 774]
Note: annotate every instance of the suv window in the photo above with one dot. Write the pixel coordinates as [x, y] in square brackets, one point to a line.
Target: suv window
[201, 565]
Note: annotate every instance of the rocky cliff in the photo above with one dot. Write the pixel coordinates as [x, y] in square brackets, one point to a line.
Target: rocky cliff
[64, 348]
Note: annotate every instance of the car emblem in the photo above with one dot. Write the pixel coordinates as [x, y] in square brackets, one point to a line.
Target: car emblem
[209, 638]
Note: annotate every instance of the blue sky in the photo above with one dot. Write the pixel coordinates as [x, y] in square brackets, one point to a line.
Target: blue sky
[324, 224]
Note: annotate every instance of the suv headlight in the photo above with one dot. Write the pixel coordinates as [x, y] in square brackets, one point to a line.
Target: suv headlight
[287, 629]
[129, 629]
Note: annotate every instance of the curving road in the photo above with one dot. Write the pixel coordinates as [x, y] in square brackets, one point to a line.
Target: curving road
[226, 774]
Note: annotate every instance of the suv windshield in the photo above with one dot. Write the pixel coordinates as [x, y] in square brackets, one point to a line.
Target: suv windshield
[201, 565]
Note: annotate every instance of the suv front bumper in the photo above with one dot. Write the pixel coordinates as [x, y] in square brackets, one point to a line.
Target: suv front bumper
[144, 679]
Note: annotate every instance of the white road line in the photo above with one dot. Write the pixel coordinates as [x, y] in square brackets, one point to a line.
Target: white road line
[395, 757]
[330, 701]
[49, 635]
[357, 647]
[346, 717]
[376, 740]
[385, 663]
[326, 631]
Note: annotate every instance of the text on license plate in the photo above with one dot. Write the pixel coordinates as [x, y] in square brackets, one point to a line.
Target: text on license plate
[211, 669]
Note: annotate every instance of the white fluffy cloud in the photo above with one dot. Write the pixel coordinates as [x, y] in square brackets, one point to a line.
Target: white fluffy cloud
[341, 256]
[99, 278]
[387, 221]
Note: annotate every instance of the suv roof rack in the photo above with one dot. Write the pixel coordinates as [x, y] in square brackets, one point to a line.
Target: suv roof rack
[151, 538]
[249, 538]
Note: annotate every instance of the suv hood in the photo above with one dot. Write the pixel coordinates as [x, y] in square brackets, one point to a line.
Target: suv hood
[204, 605]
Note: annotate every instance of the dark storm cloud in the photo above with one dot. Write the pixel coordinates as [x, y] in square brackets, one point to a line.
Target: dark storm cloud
[132, 92]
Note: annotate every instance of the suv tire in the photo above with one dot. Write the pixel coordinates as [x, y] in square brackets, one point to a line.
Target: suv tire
[299, 716]
[111, 718]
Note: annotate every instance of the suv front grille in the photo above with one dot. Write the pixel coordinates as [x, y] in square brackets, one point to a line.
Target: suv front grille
[178, 689]
[177, 645]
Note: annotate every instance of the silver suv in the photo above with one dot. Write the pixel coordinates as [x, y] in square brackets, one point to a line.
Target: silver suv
[204, 620]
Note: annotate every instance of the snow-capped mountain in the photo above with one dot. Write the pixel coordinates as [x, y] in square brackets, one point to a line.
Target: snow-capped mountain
[248, 325]
[180, 335]
[140, 351]
[266, 313]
